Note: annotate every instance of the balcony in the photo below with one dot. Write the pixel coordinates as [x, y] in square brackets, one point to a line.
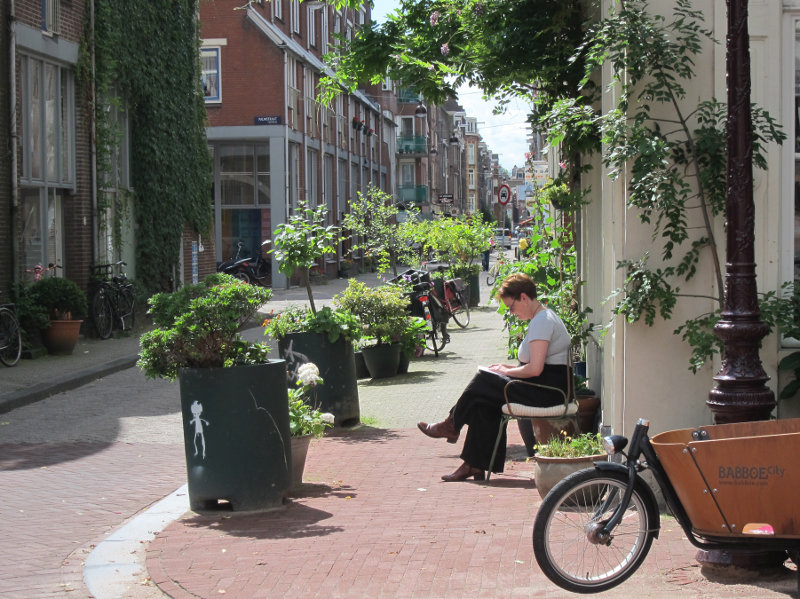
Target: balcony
[406, 95]
[412, 144]
[418, 194]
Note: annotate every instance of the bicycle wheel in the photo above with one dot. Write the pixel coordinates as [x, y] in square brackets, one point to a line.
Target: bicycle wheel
[436, 338]
[491, 276]
[461, 312]
[102, 317]
[242, 275]
[125, 309]
[564, 543]
[10, 338]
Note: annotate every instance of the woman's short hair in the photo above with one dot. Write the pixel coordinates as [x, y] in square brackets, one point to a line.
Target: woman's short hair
[516, 284]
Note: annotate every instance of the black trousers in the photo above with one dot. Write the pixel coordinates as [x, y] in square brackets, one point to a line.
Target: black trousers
[479, 409]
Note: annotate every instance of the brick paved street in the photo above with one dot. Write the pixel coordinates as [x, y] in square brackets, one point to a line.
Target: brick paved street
[371, 520]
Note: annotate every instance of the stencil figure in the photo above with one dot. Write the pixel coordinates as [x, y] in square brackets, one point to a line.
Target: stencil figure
[197, 409]
[294, 360]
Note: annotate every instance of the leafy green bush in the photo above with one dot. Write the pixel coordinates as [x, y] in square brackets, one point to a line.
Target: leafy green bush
[334, 323]
[381, 310]
[61, 298]
[206, 333]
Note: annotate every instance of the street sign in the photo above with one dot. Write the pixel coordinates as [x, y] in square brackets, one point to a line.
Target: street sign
[504, 194]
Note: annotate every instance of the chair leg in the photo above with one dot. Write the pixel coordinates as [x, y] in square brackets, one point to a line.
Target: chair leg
[503, 424]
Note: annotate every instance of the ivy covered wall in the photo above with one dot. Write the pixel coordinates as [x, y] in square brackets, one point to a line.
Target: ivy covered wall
[147, 54]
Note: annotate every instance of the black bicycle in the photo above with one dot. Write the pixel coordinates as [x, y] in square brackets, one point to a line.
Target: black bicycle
[10, 335]
[112, 303]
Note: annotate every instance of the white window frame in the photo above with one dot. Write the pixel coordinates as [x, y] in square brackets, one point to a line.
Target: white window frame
[294, 7]
[51, 17]
[213, 53]
[277, 9]
[311, 25]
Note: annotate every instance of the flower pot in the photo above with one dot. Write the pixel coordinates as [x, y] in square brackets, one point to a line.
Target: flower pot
[382, 360]
[299, 453]
[236, 436]
[337, 367]
[61, 336]
[405, 362]
[473, 282]
[547, 472]
[362, 372]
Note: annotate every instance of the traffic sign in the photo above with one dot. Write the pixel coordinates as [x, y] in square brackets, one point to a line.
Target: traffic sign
[504, 194]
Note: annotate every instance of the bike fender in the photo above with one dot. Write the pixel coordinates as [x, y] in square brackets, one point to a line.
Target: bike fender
[645, 490]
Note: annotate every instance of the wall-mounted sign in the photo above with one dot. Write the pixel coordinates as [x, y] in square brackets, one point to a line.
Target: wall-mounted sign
[445, 198]
[267, 120]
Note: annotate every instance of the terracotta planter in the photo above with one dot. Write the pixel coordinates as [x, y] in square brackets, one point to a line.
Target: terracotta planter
[61, 336]
[299, 453]
[547, 472]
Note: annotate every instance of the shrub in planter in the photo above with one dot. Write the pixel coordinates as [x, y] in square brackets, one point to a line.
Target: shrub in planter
[65, 304]
[326, 339]
[234, 400]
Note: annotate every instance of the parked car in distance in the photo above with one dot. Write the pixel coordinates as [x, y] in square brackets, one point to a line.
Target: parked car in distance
[502, 238]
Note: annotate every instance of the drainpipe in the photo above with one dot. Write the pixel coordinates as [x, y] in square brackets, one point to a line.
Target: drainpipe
[92, 136]
[287, 173]
[12, 86]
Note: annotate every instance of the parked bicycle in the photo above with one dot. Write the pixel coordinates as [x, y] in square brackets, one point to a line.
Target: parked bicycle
[730, 487]
[496, 268]
[112, 303]
[10, 335]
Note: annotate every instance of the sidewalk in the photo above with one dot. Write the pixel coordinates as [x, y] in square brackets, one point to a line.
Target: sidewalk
[372, 519]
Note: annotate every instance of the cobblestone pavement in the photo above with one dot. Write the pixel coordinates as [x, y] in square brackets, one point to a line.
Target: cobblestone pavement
[372, 518]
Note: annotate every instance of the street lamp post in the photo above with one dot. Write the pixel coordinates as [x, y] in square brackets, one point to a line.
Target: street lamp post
[740, 393]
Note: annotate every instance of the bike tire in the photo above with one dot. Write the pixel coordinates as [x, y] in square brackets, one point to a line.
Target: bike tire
[436, 339]
[11, 336]
[242, 276]
[102, 315]
[461, 312]
[126, 312]
[491, 277]
[561, 531]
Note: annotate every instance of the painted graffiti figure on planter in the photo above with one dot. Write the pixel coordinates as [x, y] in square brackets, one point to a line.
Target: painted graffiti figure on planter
[197, 409]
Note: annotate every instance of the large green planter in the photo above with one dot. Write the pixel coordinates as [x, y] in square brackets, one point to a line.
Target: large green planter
[338, 394]
[382, 360]
[236, 436]
[474, 288]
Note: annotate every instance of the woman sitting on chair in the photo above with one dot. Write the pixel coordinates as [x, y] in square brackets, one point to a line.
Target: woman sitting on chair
[543, 356]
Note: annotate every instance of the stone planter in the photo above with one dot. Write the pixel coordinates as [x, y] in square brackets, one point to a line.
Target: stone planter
[236, 436]
[547, 472]
[61, 336]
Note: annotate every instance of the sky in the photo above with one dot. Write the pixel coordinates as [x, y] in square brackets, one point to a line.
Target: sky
[505, 134]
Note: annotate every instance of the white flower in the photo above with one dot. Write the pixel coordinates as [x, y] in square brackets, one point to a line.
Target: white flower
[327, 418]
[308, 374]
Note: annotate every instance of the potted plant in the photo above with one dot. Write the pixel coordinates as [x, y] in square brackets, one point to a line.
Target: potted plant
[65, 304]
[382, 313]
[562, 454]
[325, 338]
[234, 399]
[412, 341]
[301, 241]
[306, 421]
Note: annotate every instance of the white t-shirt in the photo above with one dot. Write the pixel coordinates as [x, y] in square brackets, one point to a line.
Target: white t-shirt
[547, 326]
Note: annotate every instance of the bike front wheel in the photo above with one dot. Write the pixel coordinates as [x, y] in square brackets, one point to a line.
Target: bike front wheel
[461, 313]
[127, 314]
[102, 318]
[10, 338]
[565, 543]
[491, 277]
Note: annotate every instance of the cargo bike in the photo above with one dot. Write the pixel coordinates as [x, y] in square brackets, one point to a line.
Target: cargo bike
[730, 487]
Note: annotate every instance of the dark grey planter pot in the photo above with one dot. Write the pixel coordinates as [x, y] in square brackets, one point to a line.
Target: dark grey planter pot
[338, 393]
[382, 360]
[236, 436]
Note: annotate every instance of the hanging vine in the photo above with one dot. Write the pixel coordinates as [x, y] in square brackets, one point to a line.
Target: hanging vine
[146, 59]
